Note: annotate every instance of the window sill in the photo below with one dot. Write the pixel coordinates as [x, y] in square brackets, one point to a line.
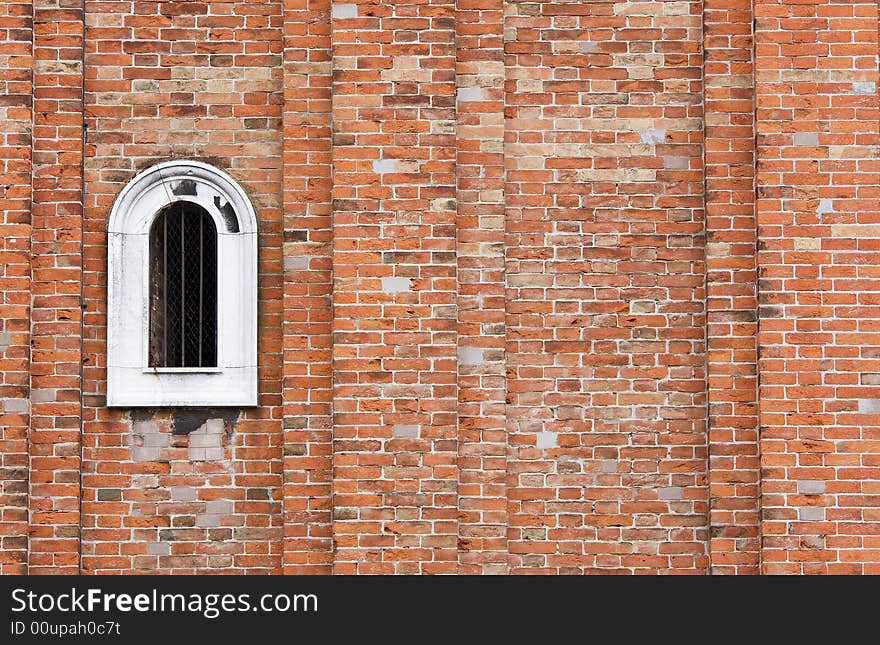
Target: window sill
[182, 370]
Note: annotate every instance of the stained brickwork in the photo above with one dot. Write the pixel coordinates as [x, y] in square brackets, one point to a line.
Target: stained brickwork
[164, 491]
[605, 278]
[545, 287]
[394, 288]
[482, 384]
[818, 180]
[307, 384]
[56, 288]
[16, 65]
[731, 283]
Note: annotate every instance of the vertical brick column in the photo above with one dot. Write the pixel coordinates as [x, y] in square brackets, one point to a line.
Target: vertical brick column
[56, 315]
[15, 232]
[183, 490]
[819, 271]
[731, 286]
[481, 302]
[605, 275]
[307, 289]
[394, 323]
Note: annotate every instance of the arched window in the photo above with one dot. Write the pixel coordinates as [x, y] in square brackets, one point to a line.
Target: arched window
[182, 290]
[183, 287]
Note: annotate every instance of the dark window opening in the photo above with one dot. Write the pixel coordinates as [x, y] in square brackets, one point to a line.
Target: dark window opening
[183, 287]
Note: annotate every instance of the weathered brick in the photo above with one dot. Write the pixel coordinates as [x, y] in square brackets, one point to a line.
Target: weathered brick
[521, 268]
[815, 405]
[159, 96]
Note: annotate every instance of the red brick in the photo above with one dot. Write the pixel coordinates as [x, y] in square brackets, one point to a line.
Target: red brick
[556, 288]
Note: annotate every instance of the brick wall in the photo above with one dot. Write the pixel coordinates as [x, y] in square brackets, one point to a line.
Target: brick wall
[552, 287]
[394, 288]
[56, 288]
[182, 491]
[731, 286]
[307, 385]
[16, 64]
[605, 284]
[482, 303]
[817, 204]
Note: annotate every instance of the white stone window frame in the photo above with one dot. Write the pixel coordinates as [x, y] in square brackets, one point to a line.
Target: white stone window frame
[131, 382]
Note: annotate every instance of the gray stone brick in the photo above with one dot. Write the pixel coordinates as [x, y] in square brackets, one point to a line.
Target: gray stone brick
[183, 494]
[811, 487]
[809, 139]
[470, 94]
[15, 405]
[384, 165]
[42, 395]
[207, 520]
[676, 163]
[651, 135]
[547, 439]
[141, 453]
[344, 10]
[811, 514]
[396, 285]
[401, 431]
[470, 356]
[220, 506]
[158, 548]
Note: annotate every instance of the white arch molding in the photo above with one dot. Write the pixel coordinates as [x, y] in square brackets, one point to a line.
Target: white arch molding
[130, 380]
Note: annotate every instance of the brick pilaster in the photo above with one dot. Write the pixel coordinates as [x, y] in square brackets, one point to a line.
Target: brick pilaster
[731, 286]
[394, 263]
[16, 61]
[307, 288]
[56, 314]
[605, 276]
[481, 299]
[818, 124]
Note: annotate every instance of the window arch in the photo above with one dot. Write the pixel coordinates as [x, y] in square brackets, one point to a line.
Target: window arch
[181, 295]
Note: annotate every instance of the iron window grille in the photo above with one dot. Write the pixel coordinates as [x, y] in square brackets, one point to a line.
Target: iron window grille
[183, 288]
